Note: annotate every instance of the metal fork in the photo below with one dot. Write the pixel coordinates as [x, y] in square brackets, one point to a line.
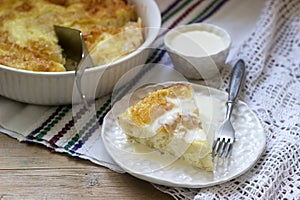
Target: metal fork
[72, 42]
[226, 136]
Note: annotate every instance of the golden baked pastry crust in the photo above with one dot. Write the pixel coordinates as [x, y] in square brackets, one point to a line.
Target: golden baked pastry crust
[27, 37]
[155, 104]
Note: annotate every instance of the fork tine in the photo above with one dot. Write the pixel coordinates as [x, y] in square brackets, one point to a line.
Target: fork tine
[224, 146]
[228, 149]
[216, 146]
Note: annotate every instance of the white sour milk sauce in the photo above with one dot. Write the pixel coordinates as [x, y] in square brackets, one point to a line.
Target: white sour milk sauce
[197, 43]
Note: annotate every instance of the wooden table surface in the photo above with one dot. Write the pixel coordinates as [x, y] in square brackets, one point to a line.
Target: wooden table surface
[31, 171]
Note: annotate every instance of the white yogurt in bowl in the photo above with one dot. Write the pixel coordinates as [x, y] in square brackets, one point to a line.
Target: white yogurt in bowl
[198, 51]
[197, 43]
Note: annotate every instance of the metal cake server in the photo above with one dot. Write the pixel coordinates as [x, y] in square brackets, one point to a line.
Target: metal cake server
[77, 55]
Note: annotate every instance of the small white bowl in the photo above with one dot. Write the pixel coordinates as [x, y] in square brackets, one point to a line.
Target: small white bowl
[199, 50]
[56, 88]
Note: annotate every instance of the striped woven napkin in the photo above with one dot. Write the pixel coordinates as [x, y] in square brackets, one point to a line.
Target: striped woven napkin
[77, 131]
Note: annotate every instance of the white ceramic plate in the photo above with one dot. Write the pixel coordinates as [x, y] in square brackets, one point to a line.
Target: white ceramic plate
[150, 165]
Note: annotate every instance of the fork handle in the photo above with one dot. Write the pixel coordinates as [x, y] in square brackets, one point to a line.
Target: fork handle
[237, 78]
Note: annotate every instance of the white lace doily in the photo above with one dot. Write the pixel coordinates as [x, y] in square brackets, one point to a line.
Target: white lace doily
[272, 90]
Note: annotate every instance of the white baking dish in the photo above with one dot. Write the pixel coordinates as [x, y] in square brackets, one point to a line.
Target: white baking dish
[56, 88]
